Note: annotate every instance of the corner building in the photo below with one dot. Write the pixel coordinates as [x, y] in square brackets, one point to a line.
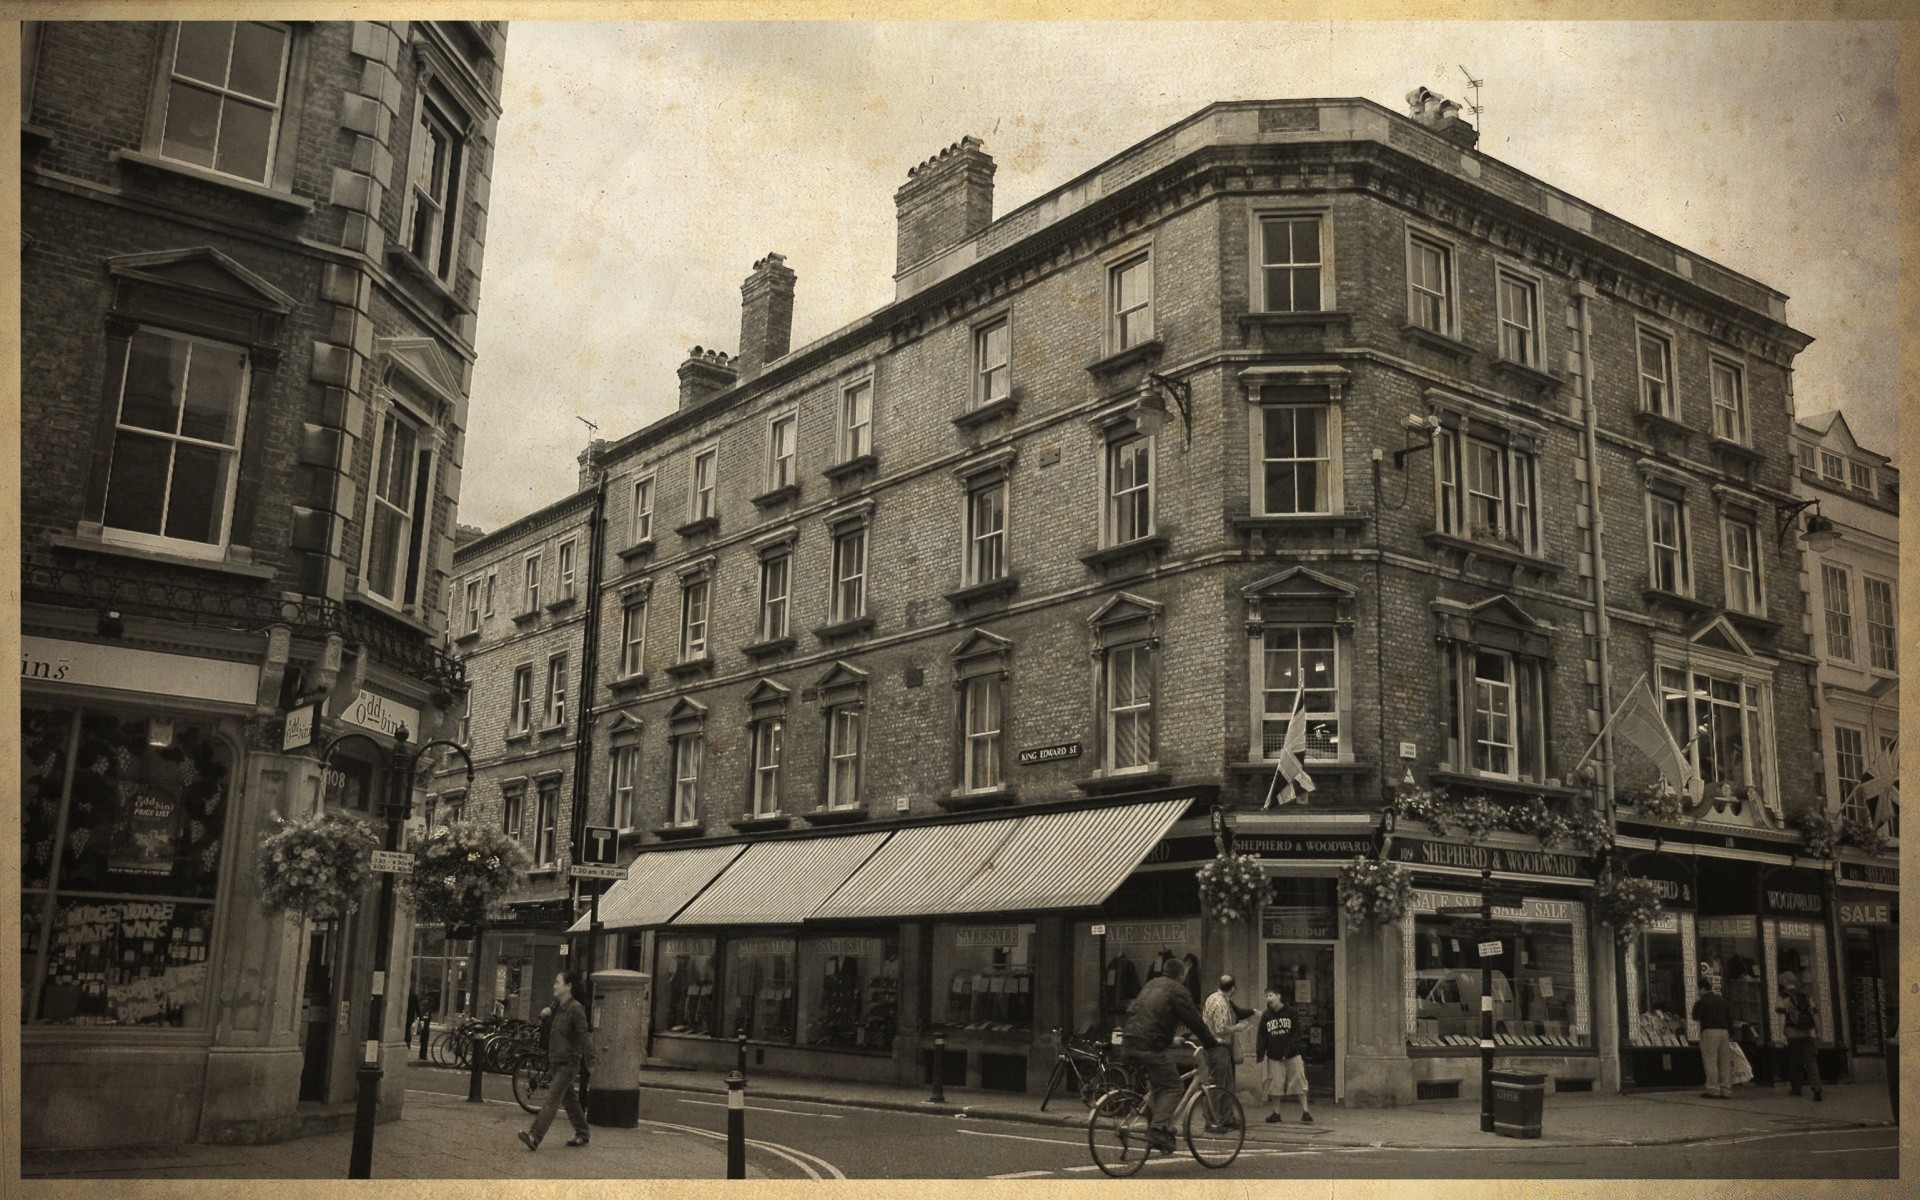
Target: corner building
[937, 653]
[250, 269]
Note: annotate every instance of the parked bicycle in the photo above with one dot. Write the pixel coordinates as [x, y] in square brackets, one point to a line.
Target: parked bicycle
[1209, 1117]
[1083, 1068]
[533, 1081]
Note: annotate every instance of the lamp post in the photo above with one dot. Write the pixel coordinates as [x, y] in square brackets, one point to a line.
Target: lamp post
[396, 806]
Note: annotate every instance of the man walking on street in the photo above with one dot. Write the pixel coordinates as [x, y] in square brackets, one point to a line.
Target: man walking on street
[1161, 1007]
[1224, 1019]
[1715, 1017]
[569, 1049]
[1803, 1064]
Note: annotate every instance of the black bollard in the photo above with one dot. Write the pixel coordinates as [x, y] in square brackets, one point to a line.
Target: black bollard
[474, 1095]
[939, 1069]
[737, 1121]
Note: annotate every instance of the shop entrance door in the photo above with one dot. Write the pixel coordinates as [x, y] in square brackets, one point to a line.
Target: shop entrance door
[1303, 974]
[317, 1010]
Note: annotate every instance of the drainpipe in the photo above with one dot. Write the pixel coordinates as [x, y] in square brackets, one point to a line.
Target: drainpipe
[589, 666]
[1583, 294]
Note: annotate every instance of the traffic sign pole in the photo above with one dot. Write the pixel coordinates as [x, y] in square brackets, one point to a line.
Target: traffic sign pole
[1486, 1009]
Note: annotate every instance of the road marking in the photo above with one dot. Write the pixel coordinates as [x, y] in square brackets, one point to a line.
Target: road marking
[792, 1112]
[799, 1158]
[1859, 1149]
[1022, 1175]
[1015, 1137]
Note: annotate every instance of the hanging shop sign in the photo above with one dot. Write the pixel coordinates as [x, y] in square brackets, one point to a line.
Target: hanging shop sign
[1420, 852]
[299, 727]
[381, 715]
[92, 664]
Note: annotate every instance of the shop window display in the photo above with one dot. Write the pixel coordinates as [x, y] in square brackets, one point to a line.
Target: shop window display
[760, 991]
[1729, 963]
[1135, 952]
[117, 919]
[1799, 953]
[849, 992]
[1539, 978]
[983, 977]
[685, 999]
[1867, 1015]
[1661, 983]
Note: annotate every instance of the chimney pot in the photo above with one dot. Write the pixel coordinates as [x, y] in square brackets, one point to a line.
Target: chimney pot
[946, 199]
[704, 375]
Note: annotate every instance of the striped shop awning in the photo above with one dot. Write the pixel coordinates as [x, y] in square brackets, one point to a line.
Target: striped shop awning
[919, 871]
[659, 885]
[1068, 859]
[780, 883]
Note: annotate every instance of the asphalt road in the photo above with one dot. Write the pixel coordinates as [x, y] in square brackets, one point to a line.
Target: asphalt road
[805, 1139]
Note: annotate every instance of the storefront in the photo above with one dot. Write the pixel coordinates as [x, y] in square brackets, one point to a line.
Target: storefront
[1546, 1006]
[1867, 924]
[1659, 980]
[843, 954]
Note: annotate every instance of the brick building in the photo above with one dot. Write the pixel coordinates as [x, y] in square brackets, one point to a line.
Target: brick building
[250, 269]
[518, 621]
[935, 655]
[1852, 585]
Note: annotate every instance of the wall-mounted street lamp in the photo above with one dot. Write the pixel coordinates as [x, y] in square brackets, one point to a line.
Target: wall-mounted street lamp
[1420, 434]
[1150, 411]
[1820, 535]
[397, 807]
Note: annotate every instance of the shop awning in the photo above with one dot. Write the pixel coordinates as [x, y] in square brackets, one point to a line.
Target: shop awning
[919, 871]
[1068, 859]
[780, 883]
[659, 885]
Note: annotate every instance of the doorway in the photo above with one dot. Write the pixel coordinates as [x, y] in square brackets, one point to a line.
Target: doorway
[319, 997]
[1303, 974]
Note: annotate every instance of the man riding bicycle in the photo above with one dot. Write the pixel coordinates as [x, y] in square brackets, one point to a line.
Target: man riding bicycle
[1161, 1007]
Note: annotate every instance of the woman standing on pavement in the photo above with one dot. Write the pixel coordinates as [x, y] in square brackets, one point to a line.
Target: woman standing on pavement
[569, 1048]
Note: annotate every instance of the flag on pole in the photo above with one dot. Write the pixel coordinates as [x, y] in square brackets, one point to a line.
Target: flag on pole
[1640, 722]
[1879, 787]
[1289, 767]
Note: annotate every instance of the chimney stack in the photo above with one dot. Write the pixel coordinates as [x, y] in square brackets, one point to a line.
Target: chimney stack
[766, 315]
[1442, 116]
[590, 461]
[945, 200]
[704, 375]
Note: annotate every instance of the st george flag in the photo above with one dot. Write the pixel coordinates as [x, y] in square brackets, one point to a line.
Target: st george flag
[1289, 767]
[1879, 788]
[1640, 722]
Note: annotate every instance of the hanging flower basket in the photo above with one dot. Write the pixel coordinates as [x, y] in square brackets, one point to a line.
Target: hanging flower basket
[1863, 834]
[1820, 831]
[316, 868]
[462, 871]
[1232, 888]
[1629, 905]
[1588, 830]
[1656, 801]
[1375, 893]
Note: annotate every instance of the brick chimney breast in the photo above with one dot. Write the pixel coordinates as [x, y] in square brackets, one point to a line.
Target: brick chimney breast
[766, 315]
[705, 374]
[945, 200]
[1442, 116]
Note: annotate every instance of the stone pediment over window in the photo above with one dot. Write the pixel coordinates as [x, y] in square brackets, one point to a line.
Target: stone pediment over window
[842, 684]
[1298, 594]
[425, 363]
[1498, 623]
[687, 716]
[980, 653]
[1126, 618]
[1718, 633]
[199, 290]
[625, 724]
[768, 699]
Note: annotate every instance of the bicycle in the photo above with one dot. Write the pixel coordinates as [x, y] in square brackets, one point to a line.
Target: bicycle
[1209, 1117]
[533, 1081]
[1082, 1062]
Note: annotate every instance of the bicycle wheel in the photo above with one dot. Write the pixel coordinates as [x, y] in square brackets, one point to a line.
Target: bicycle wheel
[1216, 1127]
[532, 1082]
[1099, 1078]
[440, 1049]
[1117, 1133]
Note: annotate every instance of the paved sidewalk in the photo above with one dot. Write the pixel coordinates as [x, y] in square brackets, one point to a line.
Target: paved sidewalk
[1570, 1119]
[436, 1137]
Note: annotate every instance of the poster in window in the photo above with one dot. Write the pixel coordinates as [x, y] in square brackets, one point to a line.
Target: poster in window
[143, 837]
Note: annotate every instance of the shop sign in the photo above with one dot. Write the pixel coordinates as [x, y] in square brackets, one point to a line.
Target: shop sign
[764, 945]
[1869, 873]
[1261, 845]
[1136, 932]
[1422, 853]
[381, 715]
[91, 664]
[1046, 754]
[1534, 909]
[299, 727]
[988, 935]
[1788, 902]
[1866, 912]
[848, 946]
[1725, 927]
[1796, 929]
[1309, 921]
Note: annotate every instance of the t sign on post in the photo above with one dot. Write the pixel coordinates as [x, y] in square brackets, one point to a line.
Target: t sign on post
[602, 845]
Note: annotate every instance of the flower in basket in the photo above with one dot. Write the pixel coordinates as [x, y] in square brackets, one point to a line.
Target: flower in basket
[1374, 892]
[1476, 816]
[1863, 834]
[1588, 830]
[1232, 888]
[462, 871]
[1658, 801]
[317, 868]
[1424, 805]
[1820, 831]
[1628, 904]
[1536, 819]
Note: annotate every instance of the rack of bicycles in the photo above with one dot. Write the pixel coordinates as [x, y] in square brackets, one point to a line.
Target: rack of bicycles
[503, 1044]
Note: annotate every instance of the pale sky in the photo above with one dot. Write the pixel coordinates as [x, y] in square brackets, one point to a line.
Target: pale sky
[643, 167]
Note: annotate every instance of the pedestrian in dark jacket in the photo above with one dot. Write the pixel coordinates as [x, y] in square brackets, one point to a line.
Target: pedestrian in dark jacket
[1162, 1007]
[1715, 1017]
[569, 1049]
[1277, 1046]
[1803, 1064]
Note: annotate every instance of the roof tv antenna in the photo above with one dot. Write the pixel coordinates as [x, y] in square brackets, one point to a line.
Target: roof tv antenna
[1474, 108]
[592, 429]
